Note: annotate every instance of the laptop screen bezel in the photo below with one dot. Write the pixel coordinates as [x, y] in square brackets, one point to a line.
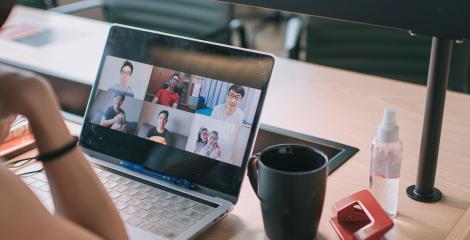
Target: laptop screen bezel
[119, 30]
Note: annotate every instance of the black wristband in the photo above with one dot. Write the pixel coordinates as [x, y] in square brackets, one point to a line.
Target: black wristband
[46, 157]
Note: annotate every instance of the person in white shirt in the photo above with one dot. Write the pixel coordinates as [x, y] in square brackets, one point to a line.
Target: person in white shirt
[123, 86]
[230, 111]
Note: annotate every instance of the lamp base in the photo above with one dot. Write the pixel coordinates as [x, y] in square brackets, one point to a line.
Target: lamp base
[435, 196]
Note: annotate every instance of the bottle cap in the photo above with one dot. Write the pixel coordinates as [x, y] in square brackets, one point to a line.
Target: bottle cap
[388, 128]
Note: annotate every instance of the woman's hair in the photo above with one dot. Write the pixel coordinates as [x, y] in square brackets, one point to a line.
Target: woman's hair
[216, 134]
[199, 139]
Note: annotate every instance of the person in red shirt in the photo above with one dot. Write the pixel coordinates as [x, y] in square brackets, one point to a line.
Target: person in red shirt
[168, 96]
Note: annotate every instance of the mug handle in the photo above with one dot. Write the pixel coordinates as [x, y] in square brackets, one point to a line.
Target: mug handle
[253, 172]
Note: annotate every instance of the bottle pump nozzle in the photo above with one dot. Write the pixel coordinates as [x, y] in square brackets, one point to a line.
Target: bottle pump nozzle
[388, 129]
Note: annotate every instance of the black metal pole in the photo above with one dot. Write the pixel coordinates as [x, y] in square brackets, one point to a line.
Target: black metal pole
[439, 64]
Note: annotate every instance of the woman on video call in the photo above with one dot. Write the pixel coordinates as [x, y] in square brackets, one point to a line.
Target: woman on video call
[201, 139]
[83, 209]
[212, 148]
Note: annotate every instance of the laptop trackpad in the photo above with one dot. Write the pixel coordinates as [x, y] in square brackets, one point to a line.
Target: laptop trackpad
[139, 234]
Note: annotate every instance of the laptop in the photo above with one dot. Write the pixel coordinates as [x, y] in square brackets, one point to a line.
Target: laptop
[169, 127]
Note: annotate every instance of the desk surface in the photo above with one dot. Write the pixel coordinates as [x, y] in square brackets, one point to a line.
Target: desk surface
[346, 107]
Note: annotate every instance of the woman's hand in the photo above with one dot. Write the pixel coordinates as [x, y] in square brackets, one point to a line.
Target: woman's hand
[31, 95]
[20, 91]
[74, 185]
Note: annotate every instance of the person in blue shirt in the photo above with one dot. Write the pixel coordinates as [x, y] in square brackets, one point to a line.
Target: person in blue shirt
[114, 117]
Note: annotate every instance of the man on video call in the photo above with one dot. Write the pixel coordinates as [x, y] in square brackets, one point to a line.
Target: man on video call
[168, 96]
[230, 111]
[159, 133]
[114, 117]
[123, 87]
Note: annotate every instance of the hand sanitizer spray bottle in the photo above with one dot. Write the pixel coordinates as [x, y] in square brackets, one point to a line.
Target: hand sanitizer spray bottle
[385, 163]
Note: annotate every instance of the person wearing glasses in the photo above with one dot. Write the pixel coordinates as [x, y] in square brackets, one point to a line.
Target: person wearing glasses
[83, 208]
[202, 137]
[212, 147]
[123, 86]
[230, 111]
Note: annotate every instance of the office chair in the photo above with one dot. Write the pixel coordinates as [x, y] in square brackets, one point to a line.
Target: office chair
[42, 4]
[202, 19]
[372, 50]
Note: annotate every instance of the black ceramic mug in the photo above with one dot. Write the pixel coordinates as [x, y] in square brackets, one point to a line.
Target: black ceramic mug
[290, 181]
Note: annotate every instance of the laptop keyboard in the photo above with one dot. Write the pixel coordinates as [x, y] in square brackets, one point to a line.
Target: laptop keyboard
[146, 207]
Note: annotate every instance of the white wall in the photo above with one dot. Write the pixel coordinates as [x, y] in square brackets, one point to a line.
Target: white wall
[111, 74]
[240, 145]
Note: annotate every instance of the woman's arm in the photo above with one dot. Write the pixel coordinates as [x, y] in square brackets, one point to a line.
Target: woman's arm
[78, 195]
[77, 192]
[24, 217]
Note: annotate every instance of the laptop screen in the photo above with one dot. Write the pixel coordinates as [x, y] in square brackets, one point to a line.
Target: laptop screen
[185, 108]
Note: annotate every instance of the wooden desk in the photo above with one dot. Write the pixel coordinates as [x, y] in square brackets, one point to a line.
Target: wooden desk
[346, 107]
